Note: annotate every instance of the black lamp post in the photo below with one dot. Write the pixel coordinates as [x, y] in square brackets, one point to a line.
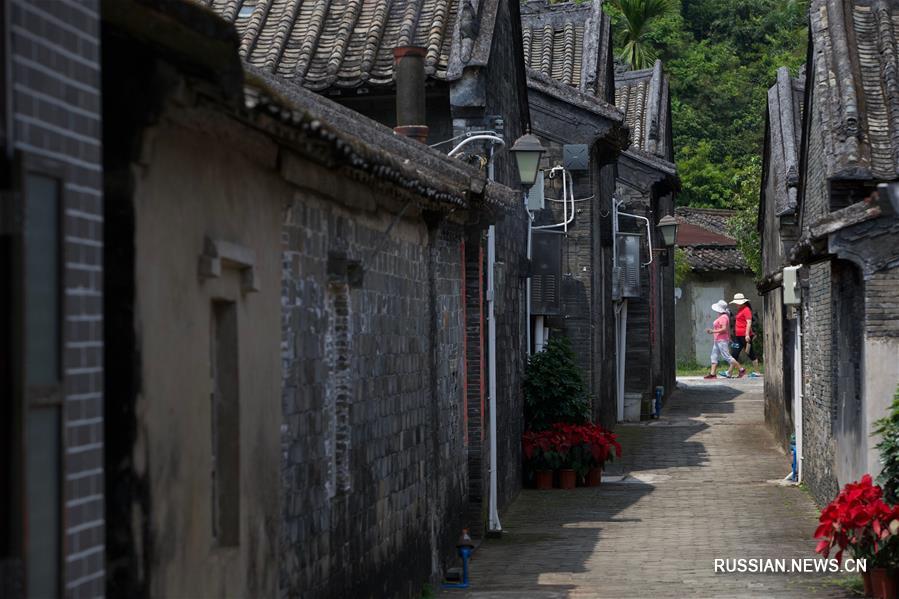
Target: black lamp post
[527, 151]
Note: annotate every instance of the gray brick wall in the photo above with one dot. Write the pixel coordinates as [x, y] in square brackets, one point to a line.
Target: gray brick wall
[396, 521]
[882, 304]
[55, 75]
[577, 260]
[818, 404]
[511, 352]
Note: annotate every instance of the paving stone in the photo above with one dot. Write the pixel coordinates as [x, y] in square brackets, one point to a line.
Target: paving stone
[694, 487]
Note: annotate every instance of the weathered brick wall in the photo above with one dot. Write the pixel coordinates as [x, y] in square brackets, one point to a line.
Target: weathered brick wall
[475, 382]
[577, 266]
[511, 352]
[882, 304]
[507, 97]
[817, 413]
[396, 517]
[817, 323]
[55, 74]
[778, 358]
[778, 340]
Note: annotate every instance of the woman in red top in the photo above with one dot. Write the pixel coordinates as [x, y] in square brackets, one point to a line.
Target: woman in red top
[743, 333]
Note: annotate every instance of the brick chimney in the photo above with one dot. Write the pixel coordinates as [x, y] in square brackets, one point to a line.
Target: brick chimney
[409, 74]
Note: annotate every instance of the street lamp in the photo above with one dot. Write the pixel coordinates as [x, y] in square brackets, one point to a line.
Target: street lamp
[527, 151]
[668, 229]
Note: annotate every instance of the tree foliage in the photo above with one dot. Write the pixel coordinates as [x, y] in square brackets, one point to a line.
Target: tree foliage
[721, 56]
[888, 429]
[636, 19]
[682, 267]
[743, 226]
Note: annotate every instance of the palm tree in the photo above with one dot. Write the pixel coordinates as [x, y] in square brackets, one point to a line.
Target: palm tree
[636, 18]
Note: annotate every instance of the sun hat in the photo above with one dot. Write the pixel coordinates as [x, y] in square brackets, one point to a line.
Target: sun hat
[739, 298]
[720, 306]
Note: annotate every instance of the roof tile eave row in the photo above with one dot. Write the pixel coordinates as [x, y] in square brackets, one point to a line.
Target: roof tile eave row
[373, 148]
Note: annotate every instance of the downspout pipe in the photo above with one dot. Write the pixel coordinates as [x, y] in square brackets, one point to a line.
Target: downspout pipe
[493, 523]
[528, 283]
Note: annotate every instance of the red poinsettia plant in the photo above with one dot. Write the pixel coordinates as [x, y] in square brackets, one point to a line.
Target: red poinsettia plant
[546, 450]
[859, 520]
[577, 446]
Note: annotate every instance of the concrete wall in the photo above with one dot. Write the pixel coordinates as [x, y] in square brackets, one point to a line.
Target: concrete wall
[694, 314]
[191, 188]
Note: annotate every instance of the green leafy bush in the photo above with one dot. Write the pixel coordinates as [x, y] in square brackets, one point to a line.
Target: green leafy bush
[554, 388]
[681, 266]
[888, 428]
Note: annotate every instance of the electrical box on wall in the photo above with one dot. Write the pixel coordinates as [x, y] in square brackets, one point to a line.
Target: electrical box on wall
[628, 279]
[792, 293]
[546, 276]
[576, 157]
[535, 194]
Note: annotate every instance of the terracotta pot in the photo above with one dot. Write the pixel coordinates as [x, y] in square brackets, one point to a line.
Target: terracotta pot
[877, 576]
[594, 477]
[567, 478]
[888, 584]
[544, 479]
[869, 586]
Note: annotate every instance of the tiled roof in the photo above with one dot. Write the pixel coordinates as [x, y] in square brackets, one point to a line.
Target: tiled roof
[540, 82]
[711, 219]
[322, 44]
[643, 97]
[702, 234]
[784, 130]
[370, 151]
[856, 72]
[569, 42]
[705, 259]
[690, 235]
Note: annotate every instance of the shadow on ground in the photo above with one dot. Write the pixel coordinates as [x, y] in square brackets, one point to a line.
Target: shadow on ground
[690, 487]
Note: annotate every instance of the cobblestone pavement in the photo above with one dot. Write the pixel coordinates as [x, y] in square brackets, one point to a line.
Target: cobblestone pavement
[698, 484]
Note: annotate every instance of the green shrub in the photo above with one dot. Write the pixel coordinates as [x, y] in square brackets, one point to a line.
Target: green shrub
[888, 428]
[554, 388]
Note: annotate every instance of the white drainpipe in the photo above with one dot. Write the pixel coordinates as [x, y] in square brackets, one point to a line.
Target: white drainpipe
[621, 321]
[528, 284]
[493, 524]
[797, 395]
[539, 339]
[493, 517]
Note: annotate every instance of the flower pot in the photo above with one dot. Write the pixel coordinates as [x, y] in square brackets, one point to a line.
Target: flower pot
[877, 578]
[869, 586]
[594, 477]
[544, 479]
[888, 584]
[567, 478]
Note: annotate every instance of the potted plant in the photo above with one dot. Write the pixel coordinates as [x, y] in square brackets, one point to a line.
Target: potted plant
[604, 447]
[560, 438]
[554, 387]
[858, 520]
[537, 451]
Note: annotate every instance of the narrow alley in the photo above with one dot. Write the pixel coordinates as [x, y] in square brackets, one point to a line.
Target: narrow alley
[698, 484]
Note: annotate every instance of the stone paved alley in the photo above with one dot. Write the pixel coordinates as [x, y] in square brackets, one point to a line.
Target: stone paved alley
[697, 486]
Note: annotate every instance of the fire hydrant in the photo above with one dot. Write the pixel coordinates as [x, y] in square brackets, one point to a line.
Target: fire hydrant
[465, 547]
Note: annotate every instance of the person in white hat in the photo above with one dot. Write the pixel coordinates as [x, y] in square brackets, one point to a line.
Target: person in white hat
[743, 334]
[721, 341]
